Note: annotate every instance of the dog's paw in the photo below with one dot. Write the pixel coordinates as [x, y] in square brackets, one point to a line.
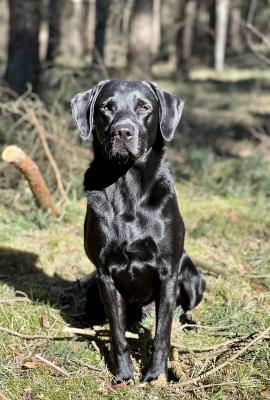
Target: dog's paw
[123, 378]
[156, 378]
[189, 324]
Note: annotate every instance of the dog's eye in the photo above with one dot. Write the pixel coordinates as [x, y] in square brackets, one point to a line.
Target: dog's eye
[106, 107]
[143, 108]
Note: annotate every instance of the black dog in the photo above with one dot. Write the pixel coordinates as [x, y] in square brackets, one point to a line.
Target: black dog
[134, 233]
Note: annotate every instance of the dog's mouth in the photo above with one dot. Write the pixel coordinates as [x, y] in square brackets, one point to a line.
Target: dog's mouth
[118, 149]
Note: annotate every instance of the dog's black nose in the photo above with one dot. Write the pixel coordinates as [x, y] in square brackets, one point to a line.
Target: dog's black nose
[123, 133]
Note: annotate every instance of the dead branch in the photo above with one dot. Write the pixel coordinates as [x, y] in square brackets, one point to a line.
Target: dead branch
[42, 134]
[263, 335]
[13, 300]
[84, 364]
[95, 346]
[51, 364]
[94, 332]
[33, 337]
[78, 151]
[14, 155]
[251, 27]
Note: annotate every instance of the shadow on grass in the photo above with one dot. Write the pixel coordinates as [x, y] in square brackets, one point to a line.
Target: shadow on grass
[19, 270]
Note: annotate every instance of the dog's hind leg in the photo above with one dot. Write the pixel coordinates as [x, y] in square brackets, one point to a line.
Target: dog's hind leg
[94, 308]
[191, 286]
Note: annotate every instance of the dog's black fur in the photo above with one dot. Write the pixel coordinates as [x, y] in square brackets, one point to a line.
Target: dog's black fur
[134, 233]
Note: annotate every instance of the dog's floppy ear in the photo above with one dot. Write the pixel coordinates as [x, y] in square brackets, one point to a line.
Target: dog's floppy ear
[82, 106]
[170, 111]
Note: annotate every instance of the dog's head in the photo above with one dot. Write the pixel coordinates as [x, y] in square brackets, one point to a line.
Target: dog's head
[126, 116]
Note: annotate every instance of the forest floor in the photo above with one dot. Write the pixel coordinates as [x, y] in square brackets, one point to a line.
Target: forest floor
[223, 186]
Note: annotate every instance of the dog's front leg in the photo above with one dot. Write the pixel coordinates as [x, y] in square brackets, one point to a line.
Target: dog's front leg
[116, 312]
[165, 306]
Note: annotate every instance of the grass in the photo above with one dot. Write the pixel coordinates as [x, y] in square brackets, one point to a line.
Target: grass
[227, 231]
[224, 199]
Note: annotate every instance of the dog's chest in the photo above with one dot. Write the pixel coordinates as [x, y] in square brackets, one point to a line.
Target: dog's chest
[129, 219]
[125, 213]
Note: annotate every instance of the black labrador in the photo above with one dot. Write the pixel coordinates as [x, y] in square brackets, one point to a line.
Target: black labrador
[134, 233]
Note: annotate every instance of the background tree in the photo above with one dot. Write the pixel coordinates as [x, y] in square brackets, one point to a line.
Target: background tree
[102, 7]
[23, 49]
[222, 16]
[157, 6]
[140, 46]
[185, 37]
[54, 24]
[235, 27]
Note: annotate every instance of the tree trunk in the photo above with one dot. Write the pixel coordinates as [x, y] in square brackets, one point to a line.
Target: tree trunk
[156, 26]
[222, 15]
[114, 48]
[185, 43]
[89, 22]
[100, 31]
[235, 28]
[140, 46]
[54, 16]
[23, 49]
[212, 30]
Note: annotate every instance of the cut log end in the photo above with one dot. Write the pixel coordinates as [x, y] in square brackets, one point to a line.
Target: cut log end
[16, 156]
[13, 154]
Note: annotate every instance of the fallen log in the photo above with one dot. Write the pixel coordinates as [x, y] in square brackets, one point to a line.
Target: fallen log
[16, 156]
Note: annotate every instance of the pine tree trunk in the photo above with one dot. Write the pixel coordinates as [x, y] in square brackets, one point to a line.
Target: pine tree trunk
[186, 38]
[102, 7]
[156, 25]
[23, 49]
[54, 14]
[222, 15]
[235, 28]
[140, 46]
[89, 23]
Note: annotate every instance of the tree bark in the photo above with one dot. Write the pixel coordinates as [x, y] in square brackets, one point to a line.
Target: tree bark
[140, 46]
[54, 16]
[222, 15]
[235, 28]
[89, 23]
[100, 31]
[23, 49]
[157, 4]
[185, 38]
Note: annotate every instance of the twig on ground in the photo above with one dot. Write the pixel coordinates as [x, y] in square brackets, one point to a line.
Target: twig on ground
[51, 364]
[13, 300]
[103, 334]
[218, 346]
[207, 327]
[97, 331]
[95, 346]
[79, 331]
[199, 378]
[84, 364]
[33, 337]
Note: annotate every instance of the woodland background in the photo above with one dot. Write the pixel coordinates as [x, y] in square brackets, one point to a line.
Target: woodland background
[216, 55]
